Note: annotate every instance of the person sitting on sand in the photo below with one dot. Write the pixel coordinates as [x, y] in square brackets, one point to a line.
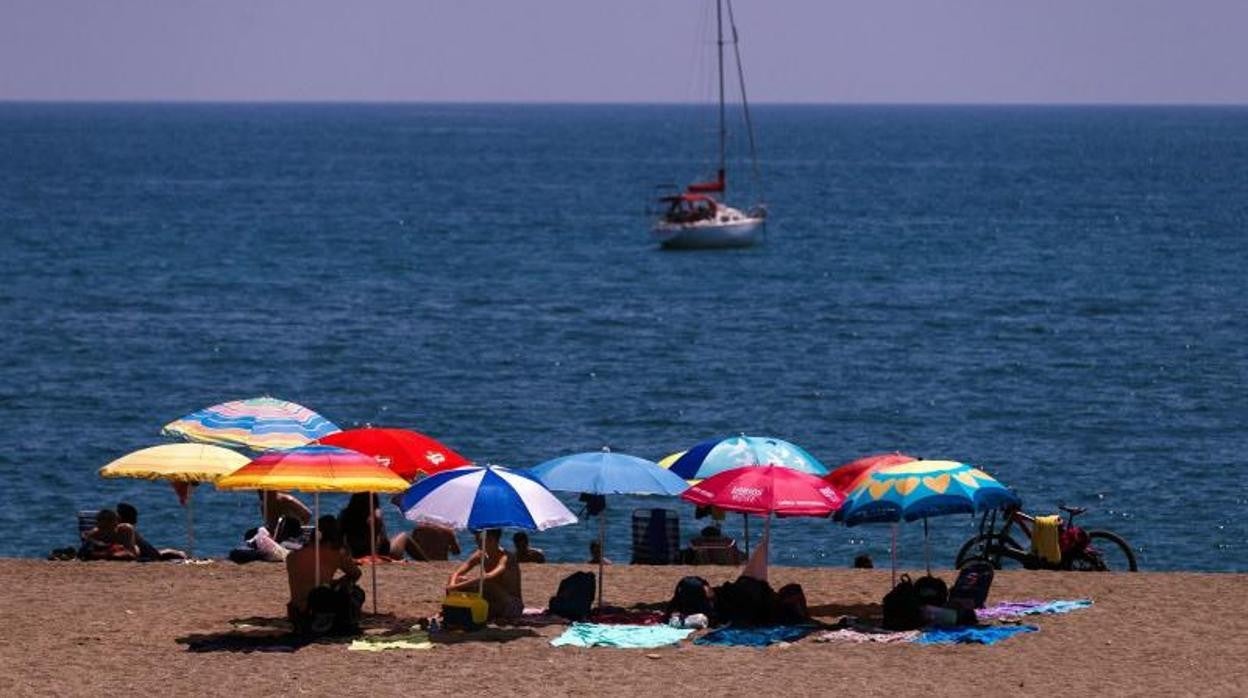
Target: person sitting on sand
[342, 596]
[275, 505]
[128, 515]
[109, 540]
[501, 586]
[426, 543]
[595, 554]
[357, 527]
[711, 546]
[524, 553]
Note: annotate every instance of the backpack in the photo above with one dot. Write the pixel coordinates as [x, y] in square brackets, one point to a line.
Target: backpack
[932, 591]
[746, 601]
[970, 589]
[575, 596]
[902, 608]
[690, 597]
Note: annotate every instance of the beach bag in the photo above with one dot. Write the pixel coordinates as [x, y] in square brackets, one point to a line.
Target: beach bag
[902, 610]
[690, 598]
[746, 601]
[932, 591]
[333, 610]
[575, 596]
[791, 605]
[970, 589]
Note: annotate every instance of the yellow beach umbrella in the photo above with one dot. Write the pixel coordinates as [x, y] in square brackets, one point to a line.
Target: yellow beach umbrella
[186, 464]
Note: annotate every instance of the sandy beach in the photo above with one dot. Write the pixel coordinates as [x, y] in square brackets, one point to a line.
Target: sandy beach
[107, 628]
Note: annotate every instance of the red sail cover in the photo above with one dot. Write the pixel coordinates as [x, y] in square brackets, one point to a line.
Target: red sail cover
[705, 187]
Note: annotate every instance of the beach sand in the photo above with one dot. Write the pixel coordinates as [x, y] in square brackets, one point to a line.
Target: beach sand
[73, 628]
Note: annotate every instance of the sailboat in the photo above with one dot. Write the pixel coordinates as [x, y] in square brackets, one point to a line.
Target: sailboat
[699, 217]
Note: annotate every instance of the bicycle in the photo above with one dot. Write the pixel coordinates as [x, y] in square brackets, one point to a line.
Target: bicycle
[1082, 550]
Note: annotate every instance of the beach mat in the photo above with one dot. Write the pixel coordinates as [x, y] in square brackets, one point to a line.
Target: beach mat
[755, 637]
[1017, 609]
[626, 636]
[414, 640]
[972, 635]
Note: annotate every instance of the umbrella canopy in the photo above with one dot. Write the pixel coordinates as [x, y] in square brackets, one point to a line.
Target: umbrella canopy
[260, 424]
[921, 489]
[846, 476]
[770, 489]
[717, 455]
[478, 498]
[409, 454]
[176, 463]
[604, 472]
[314, 468]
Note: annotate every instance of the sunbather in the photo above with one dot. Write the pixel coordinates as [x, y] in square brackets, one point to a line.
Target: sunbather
[109, 540]
[129, 515]
[501, 585]
[274, 505]
[525, 553]
[356, 527]
[426, 542]
[302, 574]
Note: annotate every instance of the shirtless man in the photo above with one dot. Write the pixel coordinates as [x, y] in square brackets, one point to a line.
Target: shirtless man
[427, 542]
[524, 553]
[301, 568]
[110, 539]
[502, 577]
[275, 505]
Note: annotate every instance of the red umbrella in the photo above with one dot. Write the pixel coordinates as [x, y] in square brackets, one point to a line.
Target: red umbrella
[766, 490]
[847, 476]
[407, 453]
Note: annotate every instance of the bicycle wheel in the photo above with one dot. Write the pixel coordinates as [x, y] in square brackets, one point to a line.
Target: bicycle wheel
[1107, 552]
[1001, 551]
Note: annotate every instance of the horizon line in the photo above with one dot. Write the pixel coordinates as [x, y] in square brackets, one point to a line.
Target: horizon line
[607, 103]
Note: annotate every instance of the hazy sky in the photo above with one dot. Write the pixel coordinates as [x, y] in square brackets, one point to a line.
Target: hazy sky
[627, 50]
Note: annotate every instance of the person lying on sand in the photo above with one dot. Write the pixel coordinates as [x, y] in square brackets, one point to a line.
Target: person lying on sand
[501, 587]
[128, 514]
[301, 571]
[109, 540]
[524, 553]
[275, 505]
[427, 542]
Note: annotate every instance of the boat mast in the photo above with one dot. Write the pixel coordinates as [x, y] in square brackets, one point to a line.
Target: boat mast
[723, 129]
[745, 102]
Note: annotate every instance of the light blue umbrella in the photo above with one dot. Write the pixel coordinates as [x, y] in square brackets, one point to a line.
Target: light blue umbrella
[714, 456]
[602, 473]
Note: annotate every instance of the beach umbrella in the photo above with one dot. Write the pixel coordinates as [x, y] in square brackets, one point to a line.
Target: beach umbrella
[603, 473]
[922, 489]
[184, 465]
[408, 453]
[478, 498]
[766, 490]
[719, 454]
[316, 468]
[259, 424]
[844, 477]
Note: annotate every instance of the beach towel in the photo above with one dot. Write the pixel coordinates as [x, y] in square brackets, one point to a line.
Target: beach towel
[754, 637]
[1045, 539]
[630, 636]
[972, 635]
[415, 640]
[1016, 609]
[849, 635]
[627, 617]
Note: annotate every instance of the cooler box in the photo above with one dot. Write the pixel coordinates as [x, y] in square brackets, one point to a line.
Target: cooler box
[463, 610]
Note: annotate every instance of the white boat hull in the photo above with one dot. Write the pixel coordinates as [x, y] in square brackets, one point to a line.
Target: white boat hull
[708, 235]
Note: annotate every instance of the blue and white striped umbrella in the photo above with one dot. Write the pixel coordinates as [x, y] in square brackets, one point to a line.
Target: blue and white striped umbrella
[479, 498]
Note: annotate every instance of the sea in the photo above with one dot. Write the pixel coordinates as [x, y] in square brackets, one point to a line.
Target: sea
[1054, 294]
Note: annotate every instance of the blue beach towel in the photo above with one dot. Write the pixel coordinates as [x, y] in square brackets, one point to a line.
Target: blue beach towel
[631, 636]
[754, 637]
[972, 635]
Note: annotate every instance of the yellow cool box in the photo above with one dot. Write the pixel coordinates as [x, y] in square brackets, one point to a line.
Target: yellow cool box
[463, 610]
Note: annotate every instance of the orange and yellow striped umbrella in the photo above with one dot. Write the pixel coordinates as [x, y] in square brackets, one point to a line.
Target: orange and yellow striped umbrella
[314, 469]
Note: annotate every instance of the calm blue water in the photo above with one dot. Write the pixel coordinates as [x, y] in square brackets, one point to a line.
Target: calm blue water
[1055, 294]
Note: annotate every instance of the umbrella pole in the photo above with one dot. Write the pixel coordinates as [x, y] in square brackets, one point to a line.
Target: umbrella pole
[767, 542]
[602, 529]
[746, 517]
[316, 536]
[190, 522]
[927, 549]
[372, 538]
[481, 568]
[893, 554]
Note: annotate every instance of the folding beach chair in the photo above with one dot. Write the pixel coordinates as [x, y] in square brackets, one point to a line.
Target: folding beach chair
[656, 537]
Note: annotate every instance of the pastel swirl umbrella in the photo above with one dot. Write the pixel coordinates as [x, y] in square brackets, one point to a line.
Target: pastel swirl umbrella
[408, 453]
[766, 490]
[919, 490]
[844, 477]
[602, 473]
[260, 424]
[184, 465]
[717, 455]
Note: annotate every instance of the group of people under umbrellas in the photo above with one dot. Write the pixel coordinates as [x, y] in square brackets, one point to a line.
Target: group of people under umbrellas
[302, 451]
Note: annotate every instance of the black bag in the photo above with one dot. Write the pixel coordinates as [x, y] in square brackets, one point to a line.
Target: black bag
[691, 596]
[791, 606]
[902, 608]
[970, 589]
[746, 601]
[575, 596]
[932, 591]
[333, 610]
